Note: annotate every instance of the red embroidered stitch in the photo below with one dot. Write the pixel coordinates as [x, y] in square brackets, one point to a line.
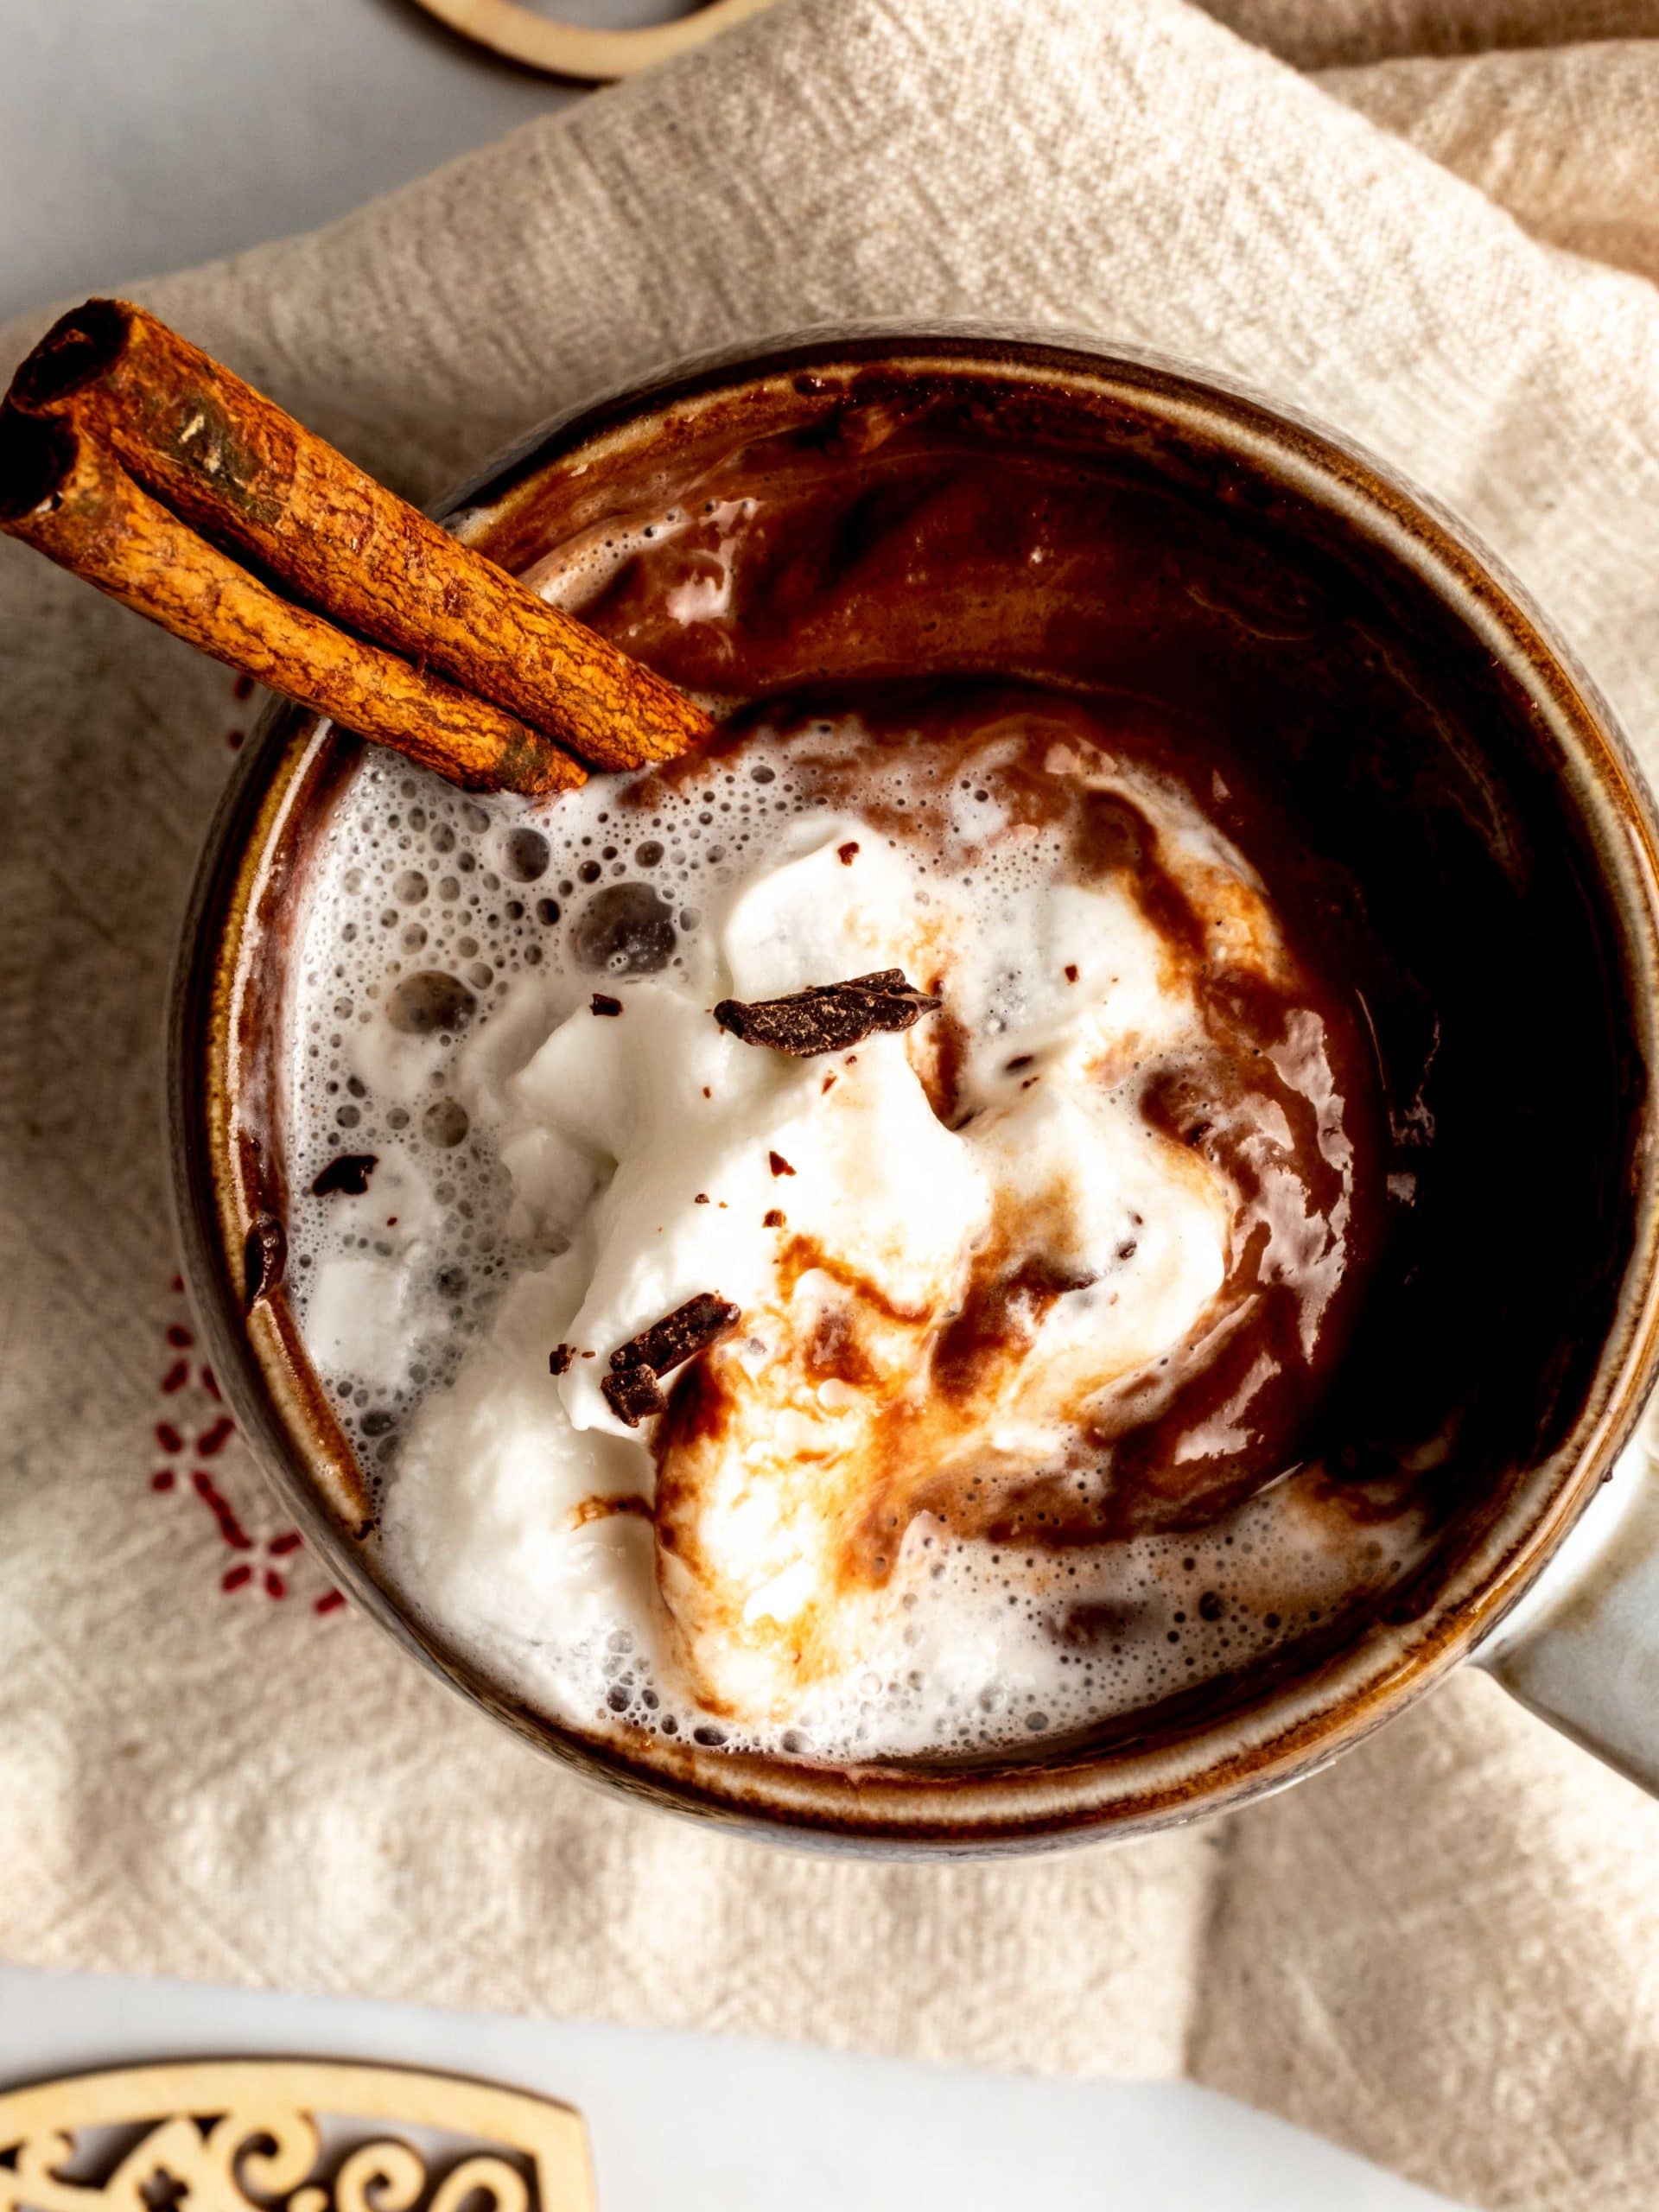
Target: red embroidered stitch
[183, 1374]
[220, 1506]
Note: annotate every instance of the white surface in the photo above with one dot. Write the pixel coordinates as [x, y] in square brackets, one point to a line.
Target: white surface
[699, 2122]
[138, 135]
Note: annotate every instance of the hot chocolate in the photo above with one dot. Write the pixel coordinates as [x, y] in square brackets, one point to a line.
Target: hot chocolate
[1099, 1306]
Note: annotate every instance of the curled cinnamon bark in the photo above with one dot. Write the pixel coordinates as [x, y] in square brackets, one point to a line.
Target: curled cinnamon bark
[70, 498]
[220, 455]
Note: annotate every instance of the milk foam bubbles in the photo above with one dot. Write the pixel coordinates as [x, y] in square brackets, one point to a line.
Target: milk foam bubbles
[551, 1177]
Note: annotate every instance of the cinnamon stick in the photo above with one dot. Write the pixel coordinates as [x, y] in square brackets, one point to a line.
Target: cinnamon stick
[63, 493]
[232, 461]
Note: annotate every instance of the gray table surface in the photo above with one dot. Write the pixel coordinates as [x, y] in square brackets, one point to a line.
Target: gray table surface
[141, 135]
[138, 135]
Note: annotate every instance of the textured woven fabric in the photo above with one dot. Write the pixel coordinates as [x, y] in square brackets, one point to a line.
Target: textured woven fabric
[1445, 1951]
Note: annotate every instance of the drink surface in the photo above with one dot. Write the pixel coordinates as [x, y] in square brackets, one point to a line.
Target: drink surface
[1071, 1379]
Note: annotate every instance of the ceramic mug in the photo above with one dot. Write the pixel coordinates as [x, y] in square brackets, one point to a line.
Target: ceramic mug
[1554, 1592]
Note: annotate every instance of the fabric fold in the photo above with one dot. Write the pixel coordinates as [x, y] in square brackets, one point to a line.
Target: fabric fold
[1563, 138]
[1335, 34]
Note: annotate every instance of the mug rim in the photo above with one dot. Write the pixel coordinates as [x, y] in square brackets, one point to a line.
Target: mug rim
[1250, 1748]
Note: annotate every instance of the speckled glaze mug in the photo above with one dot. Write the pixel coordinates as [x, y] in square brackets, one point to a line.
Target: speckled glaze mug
[1555, 1593]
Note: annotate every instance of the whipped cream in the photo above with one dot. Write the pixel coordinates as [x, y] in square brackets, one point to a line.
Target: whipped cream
[955, 1251]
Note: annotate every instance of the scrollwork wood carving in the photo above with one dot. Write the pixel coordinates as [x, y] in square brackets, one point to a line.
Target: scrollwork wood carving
[287, 2136]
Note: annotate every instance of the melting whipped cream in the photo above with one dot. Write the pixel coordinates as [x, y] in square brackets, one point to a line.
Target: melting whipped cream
[954, 1251]
[829, 1201]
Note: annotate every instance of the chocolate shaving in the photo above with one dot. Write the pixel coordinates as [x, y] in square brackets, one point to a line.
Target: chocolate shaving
[265, 1255]
[602, 1002]
[349, 1175]
[559, 1359]
[630, 1389]
[632, 1396]
[778, 1164]
[679, 1336]
[603, 1508]
[828, 1017]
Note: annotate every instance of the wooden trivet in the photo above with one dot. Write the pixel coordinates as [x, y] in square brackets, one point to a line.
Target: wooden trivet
[575, 50]
[287, 2135]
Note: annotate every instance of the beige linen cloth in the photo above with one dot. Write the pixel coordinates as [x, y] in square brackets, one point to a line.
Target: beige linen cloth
[1444, 1952]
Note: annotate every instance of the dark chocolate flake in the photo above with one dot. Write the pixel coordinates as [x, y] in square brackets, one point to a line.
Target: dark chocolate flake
[828, 1017]
[679, 1336]
[632, 1396]
[602, 1002]
[778, 1164]
[349, 1175]
[630, 1389]
[559, 1359]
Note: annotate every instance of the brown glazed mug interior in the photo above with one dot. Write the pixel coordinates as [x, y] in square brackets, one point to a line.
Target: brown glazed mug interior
[1275, 577]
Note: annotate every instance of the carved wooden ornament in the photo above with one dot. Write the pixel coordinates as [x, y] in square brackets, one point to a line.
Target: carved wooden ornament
[287, 2135]
[594, 56]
